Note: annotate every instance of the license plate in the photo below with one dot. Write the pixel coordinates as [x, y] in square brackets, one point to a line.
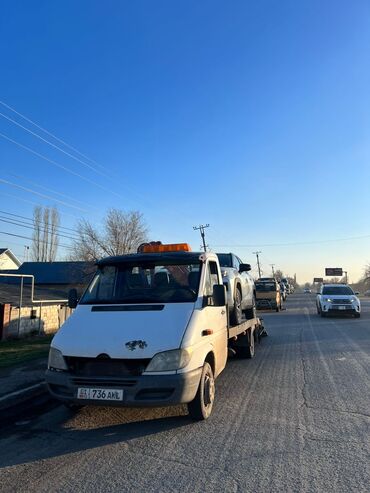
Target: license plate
[100, 394]
[342, 307]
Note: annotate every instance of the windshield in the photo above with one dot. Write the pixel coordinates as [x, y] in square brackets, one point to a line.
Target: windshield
[265, 286]
[225, 259]
[337, 290]
[144, 283]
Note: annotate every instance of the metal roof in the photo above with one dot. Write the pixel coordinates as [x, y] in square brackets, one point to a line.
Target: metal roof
[55, 272]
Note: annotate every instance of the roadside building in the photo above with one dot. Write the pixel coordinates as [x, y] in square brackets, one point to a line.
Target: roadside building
[8, 260]
[43, 311]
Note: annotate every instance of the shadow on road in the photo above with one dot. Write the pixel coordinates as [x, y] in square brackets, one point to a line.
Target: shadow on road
[62, 432]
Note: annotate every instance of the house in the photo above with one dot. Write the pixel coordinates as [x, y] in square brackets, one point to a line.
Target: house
[47, 310]
[8, 260]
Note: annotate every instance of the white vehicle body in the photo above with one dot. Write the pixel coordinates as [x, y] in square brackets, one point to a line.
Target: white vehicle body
[148, 353]
[236, 279]
[337, 299]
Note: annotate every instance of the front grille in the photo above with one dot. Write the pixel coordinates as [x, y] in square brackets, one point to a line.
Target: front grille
[106, 367]
[341, 302]
[104, 382]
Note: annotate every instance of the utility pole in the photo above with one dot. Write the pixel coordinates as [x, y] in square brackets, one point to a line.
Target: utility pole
[273, 272]
[201, 228]
[346, 278]
[258, 262]
[26, 252]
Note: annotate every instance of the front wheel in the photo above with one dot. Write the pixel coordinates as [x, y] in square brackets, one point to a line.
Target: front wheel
[357, 315]
[200, 407]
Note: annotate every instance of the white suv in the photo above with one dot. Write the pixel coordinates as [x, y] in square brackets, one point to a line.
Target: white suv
[337, 298]
[241, 292]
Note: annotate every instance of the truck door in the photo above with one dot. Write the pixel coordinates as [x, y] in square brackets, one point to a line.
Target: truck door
[216, 316]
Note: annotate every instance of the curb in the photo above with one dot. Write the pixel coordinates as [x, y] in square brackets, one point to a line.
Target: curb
[21, 401]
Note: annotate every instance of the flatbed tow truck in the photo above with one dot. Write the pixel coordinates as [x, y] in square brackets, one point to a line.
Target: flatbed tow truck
[150, 330]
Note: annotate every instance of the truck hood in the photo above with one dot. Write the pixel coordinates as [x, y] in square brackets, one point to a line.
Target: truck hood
[123, 331]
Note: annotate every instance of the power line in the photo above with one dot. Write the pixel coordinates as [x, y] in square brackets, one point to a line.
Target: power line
[58, 165]
[50, 190]
[28, 238]
[7, 182]
[35, 203]
[31, 219]
[22, 224]
[49, 133]
[51, 144]
[296, 243]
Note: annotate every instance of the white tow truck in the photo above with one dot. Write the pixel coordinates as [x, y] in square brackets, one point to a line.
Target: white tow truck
[150, 330]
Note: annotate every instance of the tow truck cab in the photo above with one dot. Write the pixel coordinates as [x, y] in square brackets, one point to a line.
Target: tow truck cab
[150, 330]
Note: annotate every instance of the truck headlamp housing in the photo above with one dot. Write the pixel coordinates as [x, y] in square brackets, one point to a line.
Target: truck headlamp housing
[169, 360]
[56, 360]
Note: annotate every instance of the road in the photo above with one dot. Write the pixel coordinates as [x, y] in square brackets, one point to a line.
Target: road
[295, 418]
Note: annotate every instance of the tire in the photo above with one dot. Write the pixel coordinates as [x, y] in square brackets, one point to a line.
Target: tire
[250, 313]
[357, 315]
[247, 351]
[201, 406]
[318, 309]
[277, 308]
[236, 314]
[323, 315]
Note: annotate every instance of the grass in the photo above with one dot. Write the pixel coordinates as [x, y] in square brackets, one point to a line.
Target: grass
[20, 351]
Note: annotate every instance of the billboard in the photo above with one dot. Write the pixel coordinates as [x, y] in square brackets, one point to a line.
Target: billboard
[334, 271]
[318, 279]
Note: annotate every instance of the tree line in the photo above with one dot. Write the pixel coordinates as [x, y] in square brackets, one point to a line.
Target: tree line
[121, 232]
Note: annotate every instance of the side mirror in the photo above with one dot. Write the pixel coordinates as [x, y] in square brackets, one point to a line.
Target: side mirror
[245, 267]
[219, 295]
[318, 292]
[72, 298]
[357, 293]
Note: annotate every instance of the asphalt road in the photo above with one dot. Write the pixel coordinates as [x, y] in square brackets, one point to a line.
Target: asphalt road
[295, 418]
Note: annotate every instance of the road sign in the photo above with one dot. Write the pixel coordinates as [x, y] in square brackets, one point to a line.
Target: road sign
[334, 271]
[318, 279]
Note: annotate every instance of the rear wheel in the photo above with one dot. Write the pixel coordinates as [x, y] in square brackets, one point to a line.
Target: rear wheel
[247, 351]
[200, 407]
[236, 313]
[251, 312]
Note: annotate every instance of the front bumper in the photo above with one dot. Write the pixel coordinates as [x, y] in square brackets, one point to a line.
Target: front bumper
[350, 309]
[140, 391]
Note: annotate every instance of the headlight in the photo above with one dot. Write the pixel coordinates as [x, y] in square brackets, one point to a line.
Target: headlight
[224, 273]
[169, 360]
[328, 300]
[56, 360]
[353, 300]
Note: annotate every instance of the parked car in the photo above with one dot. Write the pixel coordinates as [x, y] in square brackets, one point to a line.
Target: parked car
[240, 289]
[337, 298]
[307, 290]
[284, 291]
[268, 294]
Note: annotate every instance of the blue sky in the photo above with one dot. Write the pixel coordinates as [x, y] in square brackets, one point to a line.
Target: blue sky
[253, 117]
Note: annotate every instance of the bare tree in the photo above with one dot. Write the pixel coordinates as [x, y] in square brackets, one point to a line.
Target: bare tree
[122, 233]
[45, 234]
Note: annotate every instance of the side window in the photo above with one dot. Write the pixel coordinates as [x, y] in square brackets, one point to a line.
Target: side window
[235, 263]
[211, 278]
